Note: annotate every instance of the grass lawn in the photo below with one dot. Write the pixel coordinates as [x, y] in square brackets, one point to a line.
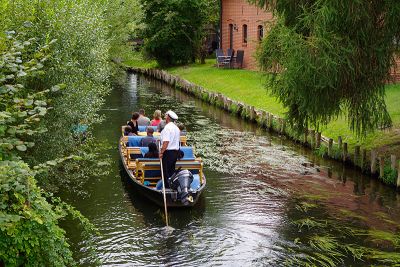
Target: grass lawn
[247, 86]
[241, 85]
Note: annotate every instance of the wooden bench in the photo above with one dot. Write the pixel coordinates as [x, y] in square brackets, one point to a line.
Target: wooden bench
[143, 166]
[131, 161]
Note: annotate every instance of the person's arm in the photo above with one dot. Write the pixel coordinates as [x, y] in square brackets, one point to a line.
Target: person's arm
[163, 148]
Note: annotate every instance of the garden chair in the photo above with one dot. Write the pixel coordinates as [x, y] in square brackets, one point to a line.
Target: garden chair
[229, 58]
[220, 57]
[238, 62]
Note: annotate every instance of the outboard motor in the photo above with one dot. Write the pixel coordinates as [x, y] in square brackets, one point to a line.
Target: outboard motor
[180, 182]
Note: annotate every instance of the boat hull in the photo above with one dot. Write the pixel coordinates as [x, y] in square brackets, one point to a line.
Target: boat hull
[156, 196]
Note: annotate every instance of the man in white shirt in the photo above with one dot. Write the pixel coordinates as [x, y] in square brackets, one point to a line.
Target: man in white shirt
[170, 138]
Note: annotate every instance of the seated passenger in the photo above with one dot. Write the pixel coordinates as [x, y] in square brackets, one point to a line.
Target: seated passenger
[149, 138]
[182, 129]
[133, 123]
[153, 151]
[143, 120]
[161, 126]
[156, 118]
[128, 131]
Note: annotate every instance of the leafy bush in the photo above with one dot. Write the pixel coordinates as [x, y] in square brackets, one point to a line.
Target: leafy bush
[173, 29]
[321, 151]
[389, 175]
[29, 231]
[78, 59]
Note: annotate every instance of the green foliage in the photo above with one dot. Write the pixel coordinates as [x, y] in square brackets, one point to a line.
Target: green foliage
[78, 60]
[21, 108]
[125, 19]
[331, 57]
[173, 29]
[322, 151]
[87, 158]
[29, 228]
[336, 152]
[28, 223]
[29, 231]
[389, 175]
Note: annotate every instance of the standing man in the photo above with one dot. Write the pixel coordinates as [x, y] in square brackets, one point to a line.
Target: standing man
[170, 138]
[143, 120]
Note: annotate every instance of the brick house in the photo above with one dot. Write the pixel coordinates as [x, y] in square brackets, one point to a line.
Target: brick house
[242, 26]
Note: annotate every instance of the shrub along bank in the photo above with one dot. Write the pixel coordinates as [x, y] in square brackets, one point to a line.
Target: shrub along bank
[246, 87]
[54, 73]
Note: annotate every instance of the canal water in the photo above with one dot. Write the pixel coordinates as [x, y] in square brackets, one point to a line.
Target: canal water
[268, 200]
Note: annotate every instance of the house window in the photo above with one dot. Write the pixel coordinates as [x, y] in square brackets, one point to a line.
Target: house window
[260, 32]
[244, 33]
[230, 36]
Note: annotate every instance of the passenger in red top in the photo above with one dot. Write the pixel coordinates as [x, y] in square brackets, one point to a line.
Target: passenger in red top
[156, 118]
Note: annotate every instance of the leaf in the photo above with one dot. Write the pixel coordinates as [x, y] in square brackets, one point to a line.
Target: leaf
[21, 147]
[12, 130]
[21, 73]
[55, 88]
[51, 162]
[28, 102]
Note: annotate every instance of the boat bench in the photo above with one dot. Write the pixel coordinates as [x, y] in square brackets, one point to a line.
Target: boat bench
[133, 154]
[151, 170]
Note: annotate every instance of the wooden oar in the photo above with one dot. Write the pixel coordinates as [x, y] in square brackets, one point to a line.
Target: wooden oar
[163, 186]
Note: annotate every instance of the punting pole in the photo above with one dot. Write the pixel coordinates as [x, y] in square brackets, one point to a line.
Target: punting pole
[163, 187]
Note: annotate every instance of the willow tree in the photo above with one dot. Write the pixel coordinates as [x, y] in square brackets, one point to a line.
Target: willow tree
[331, 57]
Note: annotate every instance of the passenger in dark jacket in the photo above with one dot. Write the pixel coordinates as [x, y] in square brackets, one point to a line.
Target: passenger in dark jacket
[153, 151]
[134, 123]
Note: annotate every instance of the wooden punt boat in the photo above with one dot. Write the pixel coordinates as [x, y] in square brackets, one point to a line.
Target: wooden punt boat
[144, 173]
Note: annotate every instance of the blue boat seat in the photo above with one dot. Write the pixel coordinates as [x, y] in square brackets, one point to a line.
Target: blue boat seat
[187, 152]
[134, 141]
[144, 150]
[144, 128]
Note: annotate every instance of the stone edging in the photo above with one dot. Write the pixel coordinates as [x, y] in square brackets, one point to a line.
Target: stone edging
[367, 161]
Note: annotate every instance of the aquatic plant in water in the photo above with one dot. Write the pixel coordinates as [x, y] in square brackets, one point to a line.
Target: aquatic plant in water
[325, 240]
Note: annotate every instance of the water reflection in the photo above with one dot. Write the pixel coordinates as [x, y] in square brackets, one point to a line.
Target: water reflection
[259, 186]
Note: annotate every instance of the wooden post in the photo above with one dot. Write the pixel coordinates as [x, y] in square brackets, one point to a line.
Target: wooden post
[398, 175]
[264, 118]
[330, 144]
[381, 166]
[283, 125]
[393, 161]
[373, 161]
[253, 114]
[270, 119]
[318, 141]
[345, 152]
[340, 142]
[363, 158]
[356, 155]
[305, 136]
[312, 134]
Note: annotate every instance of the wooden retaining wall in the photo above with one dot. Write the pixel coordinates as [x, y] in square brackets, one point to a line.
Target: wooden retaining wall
[367, 161]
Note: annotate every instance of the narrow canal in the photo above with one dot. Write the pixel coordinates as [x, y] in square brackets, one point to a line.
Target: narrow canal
[268, 201]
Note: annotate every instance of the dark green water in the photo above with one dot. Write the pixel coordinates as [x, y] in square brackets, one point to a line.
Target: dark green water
[261, 189]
